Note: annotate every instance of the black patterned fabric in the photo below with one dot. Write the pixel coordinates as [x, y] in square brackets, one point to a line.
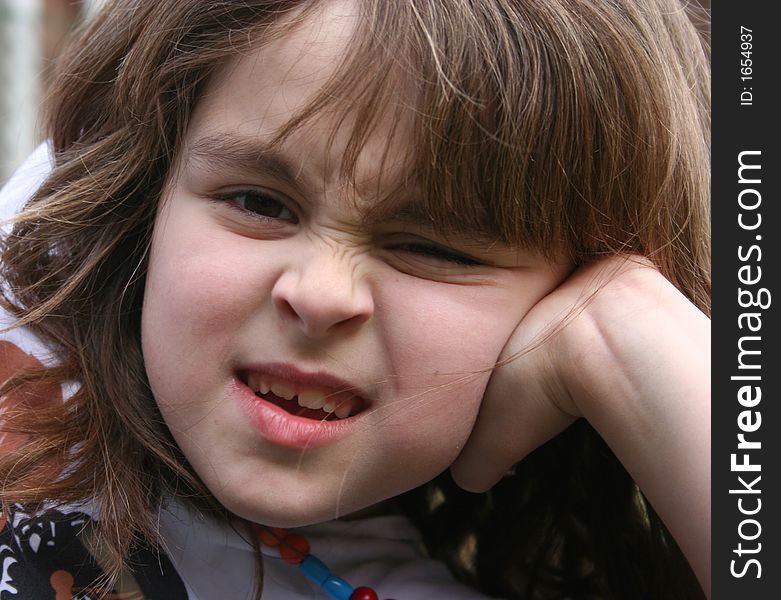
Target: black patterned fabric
[54, 555]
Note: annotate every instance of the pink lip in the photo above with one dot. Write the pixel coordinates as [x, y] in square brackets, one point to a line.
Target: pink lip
[286, 429]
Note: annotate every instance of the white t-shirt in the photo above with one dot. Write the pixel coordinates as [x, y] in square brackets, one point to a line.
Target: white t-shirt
[384, 553]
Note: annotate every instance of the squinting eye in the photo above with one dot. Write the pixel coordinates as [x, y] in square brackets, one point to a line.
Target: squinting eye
[436, 252]
[260, 204]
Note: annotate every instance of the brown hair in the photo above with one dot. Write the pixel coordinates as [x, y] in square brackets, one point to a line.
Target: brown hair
[573, 124]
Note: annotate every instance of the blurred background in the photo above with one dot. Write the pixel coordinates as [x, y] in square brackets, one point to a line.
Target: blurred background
[31, 33]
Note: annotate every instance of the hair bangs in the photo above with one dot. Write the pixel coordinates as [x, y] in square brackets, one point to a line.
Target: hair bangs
[545, 126]
[473, 94]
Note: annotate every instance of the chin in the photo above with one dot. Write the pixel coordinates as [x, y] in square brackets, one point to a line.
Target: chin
[291, 511]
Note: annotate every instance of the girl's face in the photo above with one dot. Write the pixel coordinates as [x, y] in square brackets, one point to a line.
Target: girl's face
[267, 276]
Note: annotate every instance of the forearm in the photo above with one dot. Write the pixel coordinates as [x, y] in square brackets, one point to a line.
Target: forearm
[653, 409]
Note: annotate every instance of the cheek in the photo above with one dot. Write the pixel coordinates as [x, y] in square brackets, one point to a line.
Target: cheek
[195, 297]
[462, 329]
[442, 346]
[190, 288]
[440, 329]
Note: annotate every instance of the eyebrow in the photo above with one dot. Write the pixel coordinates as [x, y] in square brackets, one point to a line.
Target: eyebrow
[237, 153]
[231, 153]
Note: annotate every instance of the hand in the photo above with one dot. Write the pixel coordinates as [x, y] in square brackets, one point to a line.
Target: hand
[618, 344]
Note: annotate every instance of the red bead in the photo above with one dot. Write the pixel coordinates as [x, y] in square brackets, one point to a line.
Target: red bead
[364, 593]
[294, 549]
[271, 536]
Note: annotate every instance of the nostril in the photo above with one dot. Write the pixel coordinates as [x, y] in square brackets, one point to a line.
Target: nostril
[286, 309]
[322, 314]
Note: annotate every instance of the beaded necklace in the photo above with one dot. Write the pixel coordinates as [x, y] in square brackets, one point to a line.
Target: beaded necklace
[293, 548]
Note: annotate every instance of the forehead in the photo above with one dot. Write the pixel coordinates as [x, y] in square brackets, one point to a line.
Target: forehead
[254, 96]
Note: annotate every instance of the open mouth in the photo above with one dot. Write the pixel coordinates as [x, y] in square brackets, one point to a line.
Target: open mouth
[310, 402]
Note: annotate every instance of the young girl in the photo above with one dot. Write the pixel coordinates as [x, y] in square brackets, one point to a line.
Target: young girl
[292, 276]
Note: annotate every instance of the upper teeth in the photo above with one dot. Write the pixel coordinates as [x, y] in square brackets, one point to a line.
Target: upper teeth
[311, 399]
[281, 390]
[307, 398]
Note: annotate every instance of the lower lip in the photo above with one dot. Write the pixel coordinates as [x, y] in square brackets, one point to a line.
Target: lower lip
[285, 429]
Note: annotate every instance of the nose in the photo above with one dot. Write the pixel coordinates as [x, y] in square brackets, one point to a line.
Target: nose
[322, 294]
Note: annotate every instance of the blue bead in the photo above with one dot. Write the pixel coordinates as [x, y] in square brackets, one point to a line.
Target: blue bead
[337, 588]
[315, 570]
